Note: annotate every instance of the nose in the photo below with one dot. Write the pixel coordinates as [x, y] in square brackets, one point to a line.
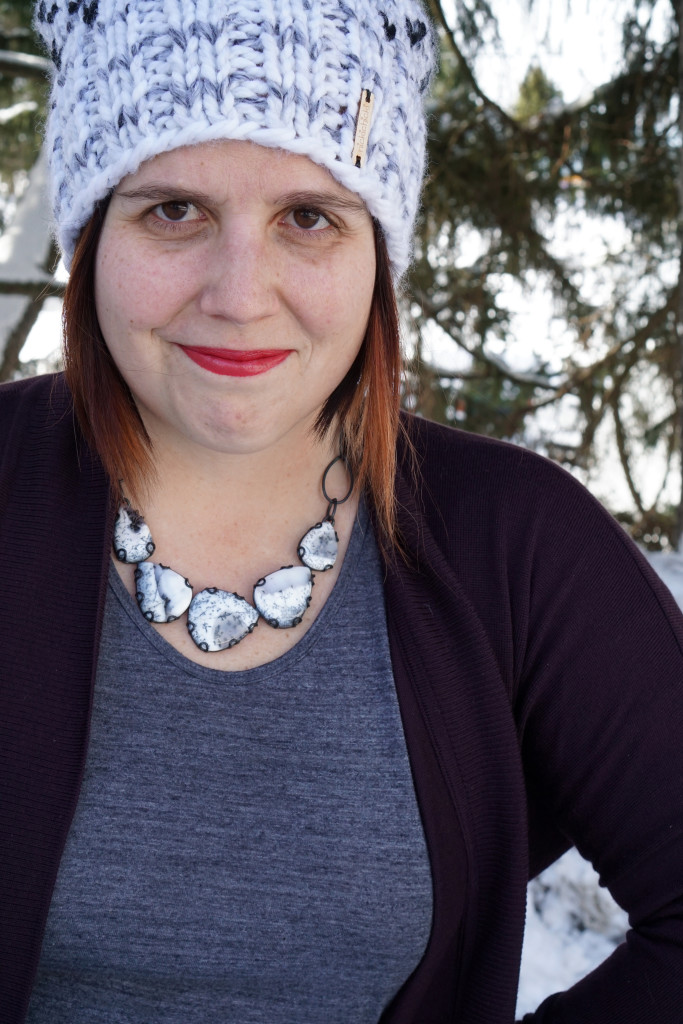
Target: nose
[240, 279]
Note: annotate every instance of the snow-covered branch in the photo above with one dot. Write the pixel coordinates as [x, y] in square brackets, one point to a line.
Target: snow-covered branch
[25, 64]
[25, 249]
[16, 110]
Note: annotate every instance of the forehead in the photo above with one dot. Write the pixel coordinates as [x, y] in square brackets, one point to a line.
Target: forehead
[228, 168]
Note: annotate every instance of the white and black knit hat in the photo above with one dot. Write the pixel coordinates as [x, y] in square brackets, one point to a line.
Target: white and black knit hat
[136, 78]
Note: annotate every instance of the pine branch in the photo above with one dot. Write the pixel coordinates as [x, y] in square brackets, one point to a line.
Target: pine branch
[469, 74]
[16, 110]
[670, 452]
[624, 456]
[25, 253]
[678, 533]
[496, 363]
[16, 338]
[584, 373]
[608, 398]
[38, 287]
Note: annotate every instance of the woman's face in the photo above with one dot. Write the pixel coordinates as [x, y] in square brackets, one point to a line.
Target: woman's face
[233, 287]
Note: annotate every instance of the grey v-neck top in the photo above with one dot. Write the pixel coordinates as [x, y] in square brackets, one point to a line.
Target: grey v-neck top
[247, 846]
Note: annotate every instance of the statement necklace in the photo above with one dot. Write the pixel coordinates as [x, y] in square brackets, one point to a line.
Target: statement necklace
[218, 619]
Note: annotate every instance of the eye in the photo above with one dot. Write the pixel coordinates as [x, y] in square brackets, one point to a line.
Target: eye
[307, 219]
[176, 210]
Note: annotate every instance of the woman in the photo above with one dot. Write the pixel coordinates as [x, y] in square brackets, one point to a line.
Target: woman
[230, 794]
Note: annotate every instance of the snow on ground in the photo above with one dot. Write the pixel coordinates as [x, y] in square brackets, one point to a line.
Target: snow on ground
[572, 922]
[669, 567]
[572, 925]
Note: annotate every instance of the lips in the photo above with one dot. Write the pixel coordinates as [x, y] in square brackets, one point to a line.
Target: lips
[228, 362]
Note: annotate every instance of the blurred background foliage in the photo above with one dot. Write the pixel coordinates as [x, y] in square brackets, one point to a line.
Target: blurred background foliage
[529, 182]
[574, 206]
[22, 102]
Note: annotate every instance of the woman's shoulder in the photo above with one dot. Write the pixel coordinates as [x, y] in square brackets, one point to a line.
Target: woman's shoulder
[35, 414]
[33, 397]
[460, 466]
[486, 500]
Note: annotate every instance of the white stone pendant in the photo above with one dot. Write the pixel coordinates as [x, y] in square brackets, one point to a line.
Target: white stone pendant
[283, 596]
[162, 593]
[132, 539]
[217, 619]
[318, 548]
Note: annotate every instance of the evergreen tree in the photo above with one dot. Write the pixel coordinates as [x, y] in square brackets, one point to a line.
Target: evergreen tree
[536, 94]
[25, 280]
[511, 177]
[22, 99]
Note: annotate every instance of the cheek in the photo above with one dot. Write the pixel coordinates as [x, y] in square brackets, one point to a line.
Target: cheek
[338, 302]
[131, 292]
[117, 293]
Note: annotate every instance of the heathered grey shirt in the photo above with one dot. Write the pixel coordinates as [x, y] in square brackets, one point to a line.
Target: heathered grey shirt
[247, 846]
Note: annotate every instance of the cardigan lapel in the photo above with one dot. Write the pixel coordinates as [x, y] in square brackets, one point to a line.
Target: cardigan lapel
[56, 519]
[442, 657]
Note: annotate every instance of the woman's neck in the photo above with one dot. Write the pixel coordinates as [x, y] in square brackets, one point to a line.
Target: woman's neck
[285, 476]
[228, 520]
[208, 509]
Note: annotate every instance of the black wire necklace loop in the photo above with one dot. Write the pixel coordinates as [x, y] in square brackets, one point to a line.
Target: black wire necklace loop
[332, 503]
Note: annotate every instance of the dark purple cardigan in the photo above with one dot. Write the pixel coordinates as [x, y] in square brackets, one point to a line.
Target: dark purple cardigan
[538, 665]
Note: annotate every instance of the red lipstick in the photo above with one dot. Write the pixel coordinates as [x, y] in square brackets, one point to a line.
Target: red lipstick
[237, 362]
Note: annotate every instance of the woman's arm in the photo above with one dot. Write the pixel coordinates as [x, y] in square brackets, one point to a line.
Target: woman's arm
[600, 713]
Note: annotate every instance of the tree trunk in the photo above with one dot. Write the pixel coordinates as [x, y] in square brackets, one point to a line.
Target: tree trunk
[25, 282]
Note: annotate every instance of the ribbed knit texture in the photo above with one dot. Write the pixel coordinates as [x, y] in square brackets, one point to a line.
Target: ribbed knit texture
[539, 668]
[46, 689]
[136, 78]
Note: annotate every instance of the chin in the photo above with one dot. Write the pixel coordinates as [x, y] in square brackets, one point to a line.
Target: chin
[245, 437]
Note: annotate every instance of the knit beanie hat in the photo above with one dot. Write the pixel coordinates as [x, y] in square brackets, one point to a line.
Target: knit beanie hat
[340, 81]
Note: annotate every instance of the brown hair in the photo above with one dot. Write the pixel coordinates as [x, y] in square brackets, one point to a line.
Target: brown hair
[365, 403]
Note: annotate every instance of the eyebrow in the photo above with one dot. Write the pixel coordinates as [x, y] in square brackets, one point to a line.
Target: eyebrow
[330, 200]
[158, 192]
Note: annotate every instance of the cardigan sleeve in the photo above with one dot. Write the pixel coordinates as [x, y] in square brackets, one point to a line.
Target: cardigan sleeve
[599, 706]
